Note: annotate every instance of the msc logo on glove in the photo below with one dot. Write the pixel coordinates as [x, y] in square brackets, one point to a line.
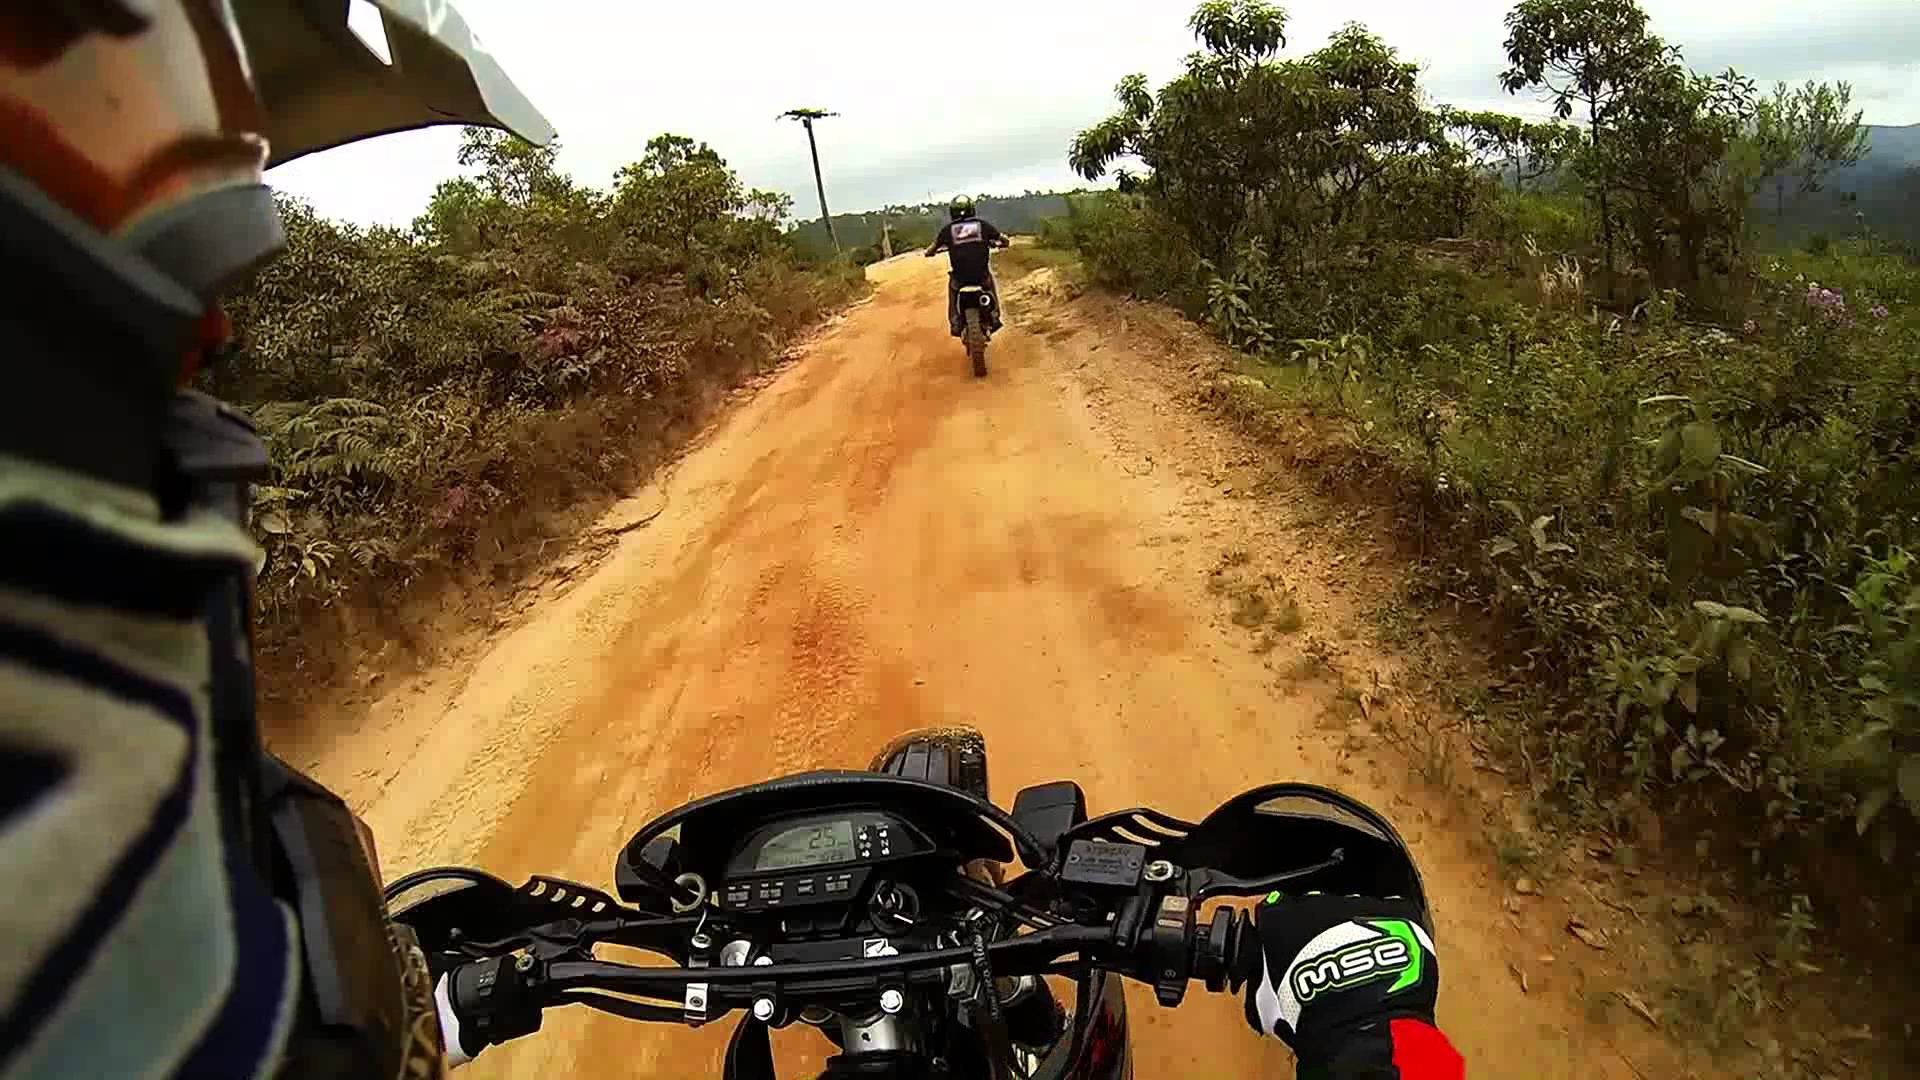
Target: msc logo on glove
[1350, 966]
[1389, 948]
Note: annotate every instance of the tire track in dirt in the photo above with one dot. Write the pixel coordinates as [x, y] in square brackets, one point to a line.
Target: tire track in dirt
[878, 542]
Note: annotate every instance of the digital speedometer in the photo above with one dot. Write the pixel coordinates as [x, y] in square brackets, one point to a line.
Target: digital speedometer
[818, 843]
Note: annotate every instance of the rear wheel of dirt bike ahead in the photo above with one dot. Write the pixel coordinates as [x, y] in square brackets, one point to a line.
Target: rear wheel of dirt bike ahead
[975, 338]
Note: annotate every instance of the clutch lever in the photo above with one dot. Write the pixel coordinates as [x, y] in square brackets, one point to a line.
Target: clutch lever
[1205, 883]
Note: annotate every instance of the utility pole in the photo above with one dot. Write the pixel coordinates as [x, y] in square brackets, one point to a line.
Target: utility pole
[806, 118]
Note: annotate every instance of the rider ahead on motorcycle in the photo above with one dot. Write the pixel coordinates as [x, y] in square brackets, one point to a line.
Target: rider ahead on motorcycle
[175, 901]
[966, 239]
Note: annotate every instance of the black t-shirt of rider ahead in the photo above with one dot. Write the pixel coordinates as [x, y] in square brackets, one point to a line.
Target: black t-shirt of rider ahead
[966, 243]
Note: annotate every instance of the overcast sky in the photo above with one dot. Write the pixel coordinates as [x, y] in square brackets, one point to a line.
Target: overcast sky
[984, 95]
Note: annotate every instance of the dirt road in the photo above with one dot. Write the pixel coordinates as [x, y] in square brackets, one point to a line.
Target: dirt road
[877, 542]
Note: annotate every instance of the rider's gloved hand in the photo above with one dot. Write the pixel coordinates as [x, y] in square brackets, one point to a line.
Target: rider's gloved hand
[482, 1004]
[1349, 983]
[451, 1036]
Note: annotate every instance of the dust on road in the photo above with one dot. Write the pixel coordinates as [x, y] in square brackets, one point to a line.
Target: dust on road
[878, 542]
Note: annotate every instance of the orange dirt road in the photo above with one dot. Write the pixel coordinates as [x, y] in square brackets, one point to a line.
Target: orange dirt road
[877, 542]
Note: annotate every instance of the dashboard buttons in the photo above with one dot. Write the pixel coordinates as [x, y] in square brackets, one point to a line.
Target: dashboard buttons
[792, 892]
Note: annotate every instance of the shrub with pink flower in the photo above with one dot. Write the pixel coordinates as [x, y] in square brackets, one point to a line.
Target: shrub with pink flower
[1829, 305]
[452, 505]
[1879, 311]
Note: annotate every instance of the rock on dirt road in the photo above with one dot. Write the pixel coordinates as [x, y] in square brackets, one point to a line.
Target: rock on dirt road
[876, 542]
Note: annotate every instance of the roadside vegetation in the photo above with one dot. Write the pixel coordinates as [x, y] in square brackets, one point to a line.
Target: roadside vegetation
[528, 347]
[1678, 465]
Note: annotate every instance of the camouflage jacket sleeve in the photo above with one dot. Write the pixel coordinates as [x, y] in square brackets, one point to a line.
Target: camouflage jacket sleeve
[133, 946]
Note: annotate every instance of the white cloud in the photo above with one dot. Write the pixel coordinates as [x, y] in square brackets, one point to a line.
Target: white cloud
[985, 95]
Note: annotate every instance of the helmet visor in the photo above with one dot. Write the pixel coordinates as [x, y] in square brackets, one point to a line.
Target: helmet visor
[323, 86]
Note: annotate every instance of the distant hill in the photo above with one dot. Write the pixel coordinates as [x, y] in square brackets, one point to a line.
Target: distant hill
[914, 226]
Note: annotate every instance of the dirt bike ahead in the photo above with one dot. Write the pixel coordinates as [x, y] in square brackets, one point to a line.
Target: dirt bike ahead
[877, 908]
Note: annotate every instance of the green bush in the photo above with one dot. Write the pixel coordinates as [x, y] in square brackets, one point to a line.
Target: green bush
[527, 344]
[1554, 221]
[1698, 534]
[1128, 248]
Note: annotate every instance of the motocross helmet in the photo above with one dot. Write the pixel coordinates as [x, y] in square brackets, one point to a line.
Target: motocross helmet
[133, 134]
[961, 208]
[141, 127]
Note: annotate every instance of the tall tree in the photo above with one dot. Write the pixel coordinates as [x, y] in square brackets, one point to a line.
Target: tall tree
[1806, 133]
[519, 196]
[676, 190]
[1516, 149]
[1670, 142]
[511, 168]
[1583, 54]
[1244, 146]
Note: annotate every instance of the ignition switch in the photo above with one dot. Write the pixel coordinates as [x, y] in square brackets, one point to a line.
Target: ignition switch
[895, 906]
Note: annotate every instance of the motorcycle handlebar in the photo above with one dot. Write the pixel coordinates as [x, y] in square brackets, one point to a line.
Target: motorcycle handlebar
[506, 994]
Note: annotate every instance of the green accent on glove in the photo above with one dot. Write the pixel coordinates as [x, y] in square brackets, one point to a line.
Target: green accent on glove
[1399, 930]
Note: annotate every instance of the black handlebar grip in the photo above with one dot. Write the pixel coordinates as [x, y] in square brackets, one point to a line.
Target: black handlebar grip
[1217, 951]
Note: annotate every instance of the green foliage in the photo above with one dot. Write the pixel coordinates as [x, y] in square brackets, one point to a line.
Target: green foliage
[1581, 53]
[1671, 157]
[1696, 534]
[1128, 247]
[1799, 137]
[1883, 754]
[419, 391]
[1695, 537]
[1698, 537]
[1306, 156]
[1518, 150]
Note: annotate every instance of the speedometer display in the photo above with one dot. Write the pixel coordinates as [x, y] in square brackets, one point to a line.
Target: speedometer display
[813, 844]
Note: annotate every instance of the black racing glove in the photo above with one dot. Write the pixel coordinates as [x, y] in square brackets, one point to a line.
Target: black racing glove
[483, 1004]
[1350, 984]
